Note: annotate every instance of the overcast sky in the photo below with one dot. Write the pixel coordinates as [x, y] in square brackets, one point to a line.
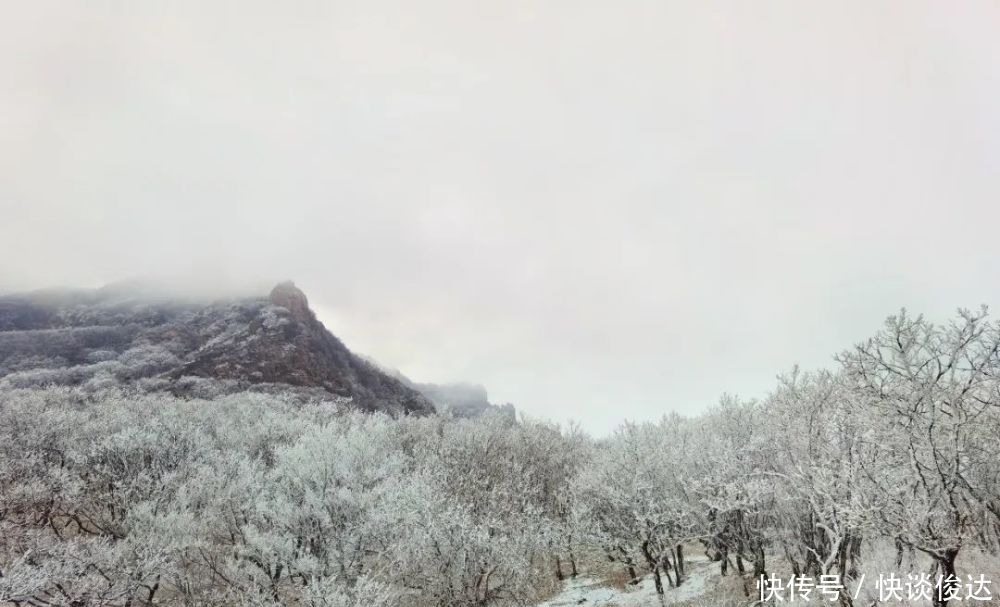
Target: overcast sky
[599, 210]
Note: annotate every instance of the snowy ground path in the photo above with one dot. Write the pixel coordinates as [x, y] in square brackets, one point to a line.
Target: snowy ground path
[590, 592]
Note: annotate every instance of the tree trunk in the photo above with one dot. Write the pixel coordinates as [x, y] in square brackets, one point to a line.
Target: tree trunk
[572, 564]
[679, 561]
[667, 566]
[653, 566]
[725, 561]
[945, 562]
[559, 573]
[627, 561]
[855, 554]
[759, 568]
[842, 558]
[152, 591]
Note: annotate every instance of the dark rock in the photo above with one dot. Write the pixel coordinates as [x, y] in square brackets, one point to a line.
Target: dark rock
[290, 297]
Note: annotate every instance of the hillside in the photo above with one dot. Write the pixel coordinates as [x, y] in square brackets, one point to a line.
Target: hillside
[126, 334]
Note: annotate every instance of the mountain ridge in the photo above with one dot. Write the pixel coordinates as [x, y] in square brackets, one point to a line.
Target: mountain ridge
[126, 335]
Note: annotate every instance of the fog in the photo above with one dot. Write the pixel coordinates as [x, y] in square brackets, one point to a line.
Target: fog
[598, 210]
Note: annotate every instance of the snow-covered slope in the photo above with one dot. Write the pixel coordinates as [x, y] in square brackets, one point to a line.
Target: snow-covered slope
[702, 577]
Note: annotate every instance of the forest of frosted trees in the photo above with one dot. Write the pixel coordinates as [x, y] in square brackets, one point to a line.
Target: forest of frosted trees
[116, 497]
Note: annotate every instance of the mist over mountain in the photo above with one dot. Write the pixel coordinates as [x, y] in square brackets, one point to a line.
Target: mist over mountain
[457, 399]
[143, 335]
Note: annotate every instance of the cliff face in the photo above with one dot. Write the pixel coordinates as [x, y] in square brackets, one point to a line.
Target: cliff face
[121, 335]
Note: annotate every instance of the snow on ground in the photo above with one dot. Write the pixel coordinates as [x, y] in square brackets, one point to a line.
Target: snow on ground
[592, 592]
[584, 591]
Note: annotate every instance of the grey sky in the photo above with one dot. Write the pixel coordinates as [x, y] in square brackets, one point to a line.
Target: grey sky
[597, 209]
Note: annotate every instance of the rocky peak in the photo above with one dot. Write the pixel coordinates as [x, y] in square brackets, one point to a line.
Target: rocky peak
[290, 297]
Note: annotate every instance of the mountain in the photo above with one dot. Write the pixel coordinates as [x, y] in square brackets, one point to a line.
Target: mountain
[457, 399]
[136, 335]
[462, 399]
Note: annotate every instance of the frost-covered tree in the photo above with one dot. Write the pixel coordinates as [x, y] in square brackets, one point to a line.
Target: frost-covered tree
[815, 474]
[930, 395]
[733, 483]
[638, 499]
[117, 495]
